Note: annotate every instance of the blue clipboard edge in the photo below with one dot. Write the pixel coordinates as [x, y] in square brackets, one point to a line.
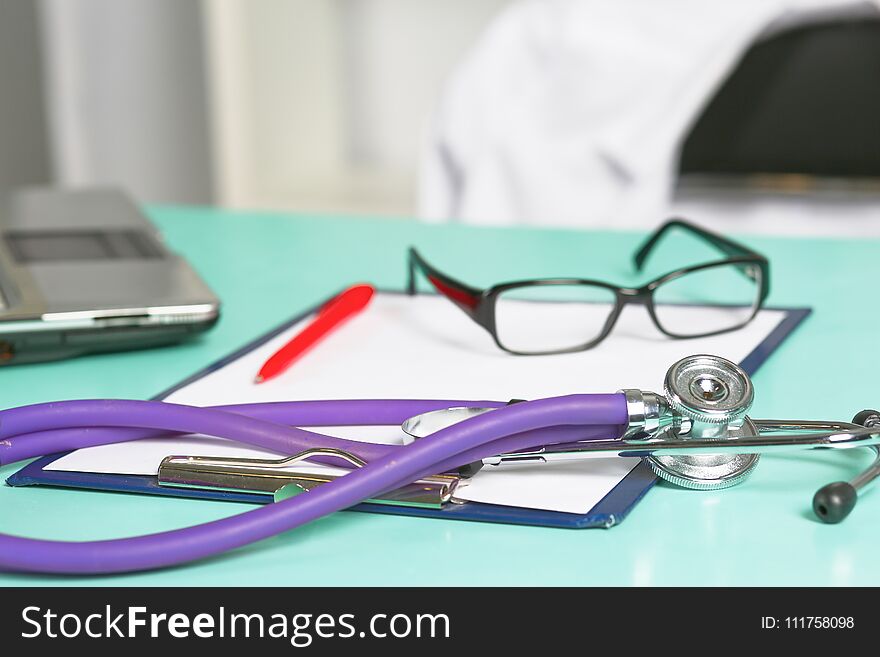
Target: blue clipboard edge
[609, 511]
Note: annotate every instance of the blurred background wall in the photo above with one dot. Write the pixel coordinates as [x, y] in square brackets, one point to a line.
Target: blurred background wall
[291, 104]
[126, 92]
[324, 105]
[24, 144]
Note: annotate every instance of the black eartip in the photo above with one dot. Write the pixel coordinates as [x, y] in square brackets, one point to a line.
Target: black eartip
[863, 416]
[832, 503]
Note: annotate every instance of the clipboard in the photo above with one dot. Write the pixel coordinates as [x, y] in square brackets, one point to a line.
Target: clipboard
[607, 512]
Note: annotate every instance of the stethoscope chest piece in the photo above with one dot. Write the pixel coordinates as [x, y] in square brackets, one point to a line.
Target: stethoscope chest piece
[709, 472]
[712, 395]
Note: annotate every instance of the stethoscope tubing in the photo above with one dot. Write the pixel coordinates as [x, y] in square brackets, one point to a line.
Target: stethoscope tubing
[45, 432]
[50, 428]
[457, 444]
[589, 423]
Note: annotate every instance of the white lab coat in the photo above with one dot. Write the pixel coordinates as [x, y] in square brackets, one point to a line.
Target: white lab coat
[572, 112]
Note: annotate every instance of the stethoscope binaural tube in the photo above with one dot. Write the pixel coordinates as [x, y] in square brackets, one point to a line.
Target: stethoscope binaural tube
[40, 429]
[456, 444]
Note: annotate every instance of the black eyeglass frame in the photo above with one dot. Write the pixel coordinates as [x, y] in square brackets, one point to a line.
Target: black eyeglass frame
[480, 304]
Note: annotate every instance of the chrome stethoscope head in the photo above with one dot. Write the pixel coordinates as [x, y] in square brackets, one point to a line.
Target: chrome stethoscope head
[698, 434]
[709, 398]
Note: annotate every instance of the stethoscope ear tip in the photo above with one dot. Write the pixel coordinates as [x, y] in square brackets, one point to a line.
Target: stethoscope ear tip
[833, 503]
[866, 418]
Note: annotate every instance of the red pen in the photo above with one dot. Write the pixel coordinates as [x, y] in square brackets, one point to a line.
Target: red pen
[335, 312]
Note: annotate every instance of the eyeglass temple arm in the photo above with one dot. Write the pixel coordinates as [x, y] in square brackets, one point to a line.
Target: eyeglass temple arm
[723, 244]
[464, 296]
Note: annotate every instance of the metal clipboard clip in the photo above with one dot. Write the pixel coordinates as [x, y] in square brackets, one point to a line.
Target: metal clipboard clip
[274, 477]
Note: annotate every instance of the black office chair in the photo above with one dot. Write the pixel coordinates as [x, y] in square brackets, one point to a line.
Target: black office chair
[804, 101]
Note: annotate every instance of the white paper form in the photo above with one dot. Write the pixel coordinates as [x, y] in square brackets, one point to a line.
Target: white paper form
[425, 347]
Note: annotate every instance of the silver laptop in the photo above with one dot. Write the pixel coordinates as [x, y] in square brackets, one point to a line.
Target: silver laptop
[84, 271]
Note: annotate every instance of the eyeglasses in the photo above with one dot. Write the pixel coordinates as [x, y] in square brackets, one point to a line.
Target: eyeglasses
[534, 317]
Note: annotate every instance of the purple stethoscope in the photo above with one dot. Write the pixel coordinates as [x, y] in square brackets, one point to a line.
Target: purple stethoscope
[696, 435]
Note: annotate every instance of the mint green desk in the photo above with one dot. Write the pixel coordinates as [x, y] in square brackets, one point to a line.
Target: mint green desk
[760, 533]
